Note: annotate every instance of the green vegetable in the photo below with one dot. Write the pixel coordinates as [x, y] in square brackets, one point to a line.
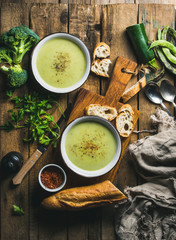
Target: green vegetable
[165, 50]
[172, 33]
[16, 75]
[18, 211]
[20, 40]
[5, 55]
[164, 43]
[31, 111]
[165, 61]
[159, 50]
[155, 75]
[139, 41]
[11, 162]
[9, 93]
[13, 46]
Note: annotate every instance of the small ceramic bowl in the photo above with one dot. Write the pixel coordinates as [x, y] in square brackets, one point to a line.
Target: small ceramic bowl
[103, 170]
[61, 171]
[75, 40]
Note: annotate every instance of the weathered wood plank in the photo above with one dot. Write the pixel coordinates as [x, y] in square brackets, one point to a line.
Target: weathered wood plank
[84, 22]
[113, 33]
[40, 1]
[12, 15]
[156, 1]
[114, 23]
[152, 17]
[100, 2]
[46, 19]
[28, 1]
[110, 2]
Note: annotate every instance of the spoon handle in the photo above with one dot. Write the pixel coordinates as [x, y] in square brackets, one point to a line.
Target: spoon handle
[165, 108]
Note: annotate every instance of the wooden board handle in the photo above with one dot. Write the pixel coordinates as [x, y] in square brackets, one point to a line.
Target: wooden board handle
[119, 79]
[26, 167]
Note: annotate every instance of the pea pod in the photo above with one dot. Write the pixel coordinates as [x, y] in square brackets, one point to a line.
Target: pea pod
[172, 32]
[163, 58]
[166, 51]
[164, 43]
[156, 76]
[165, 61]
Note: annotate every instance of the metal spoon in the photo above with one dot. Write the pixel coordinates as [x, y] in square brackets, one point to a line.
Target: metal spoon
[152, 92]
[168, 91]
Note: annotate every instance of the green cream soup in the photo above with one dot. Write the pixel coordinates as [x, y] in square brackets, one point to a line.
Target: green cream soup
[61, 63]
[90, 146]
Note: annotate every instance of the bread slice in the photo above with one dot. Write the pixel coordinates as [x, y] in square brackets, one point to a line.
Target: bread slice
[126, 108]
[106, 112]
[132, 91]
[101, 50]
[101, 67]
[125, 120]
[79, 198]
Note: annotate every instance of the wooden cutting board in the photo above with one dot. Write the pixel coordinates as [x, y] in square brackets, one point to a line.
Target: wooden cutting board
[85, 97]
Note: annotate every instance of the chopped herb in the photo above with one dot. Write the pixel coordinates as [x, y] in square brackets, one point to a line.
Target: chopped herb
[17, 210]
[8, 126]
[9, 93]
[31, 111]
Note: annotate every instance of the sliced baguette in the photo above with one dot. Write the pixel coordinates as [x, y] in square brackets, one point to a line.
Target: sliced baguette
[101, 50]
[126, 108]
[106, 112]
[132, 91]
[125, 120]
[79, 198]
[101, 67]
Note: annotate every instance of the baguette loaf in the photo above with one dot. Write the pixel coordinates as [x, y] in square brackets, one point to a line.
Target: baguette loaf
[84, 197]
[125, 120]
[101, 67]
[101, 50]
[106, 112]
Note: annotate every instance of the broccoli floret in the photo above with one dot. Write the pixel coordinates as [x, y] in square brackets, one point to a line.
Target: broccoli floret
[16, 75]
[5, 55]
[20, 40]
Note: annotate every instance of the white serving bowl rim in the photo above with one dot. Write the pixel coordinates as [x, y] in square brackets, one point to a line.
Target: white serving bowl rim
[109, 166]
[77, 41]
[55, 189]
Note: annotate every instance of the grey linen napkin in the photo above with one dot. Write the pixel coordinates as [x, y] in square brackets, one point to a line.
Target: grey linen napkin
[150, 211]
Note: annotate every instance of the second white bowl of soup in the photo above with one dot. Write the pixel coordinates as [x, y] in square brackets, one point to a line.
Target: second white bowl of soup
[90, 146]
[61, 62]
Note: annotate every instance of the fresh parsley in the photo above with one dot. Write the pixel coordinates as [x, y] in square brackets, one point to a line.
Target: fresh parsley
[10, 92]
[17, 210]
[32, 112]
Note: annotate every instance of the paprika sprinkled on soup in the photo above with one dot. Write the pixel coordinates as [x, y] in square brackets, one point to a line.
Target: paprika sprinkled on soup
[90, 145]
[52, 177]
[61, 63]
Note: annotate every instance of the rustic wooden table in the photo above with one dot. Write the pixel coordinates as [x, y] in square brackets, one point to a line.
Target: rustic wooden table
[92, 23]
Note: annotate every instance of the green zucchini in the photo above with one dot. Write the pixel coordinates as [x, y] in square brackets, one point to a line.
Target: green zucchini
[139, 41]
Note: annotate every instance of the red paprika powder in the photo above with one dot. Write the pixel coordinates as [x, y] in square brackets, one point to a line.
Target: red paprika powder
[52, 177]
